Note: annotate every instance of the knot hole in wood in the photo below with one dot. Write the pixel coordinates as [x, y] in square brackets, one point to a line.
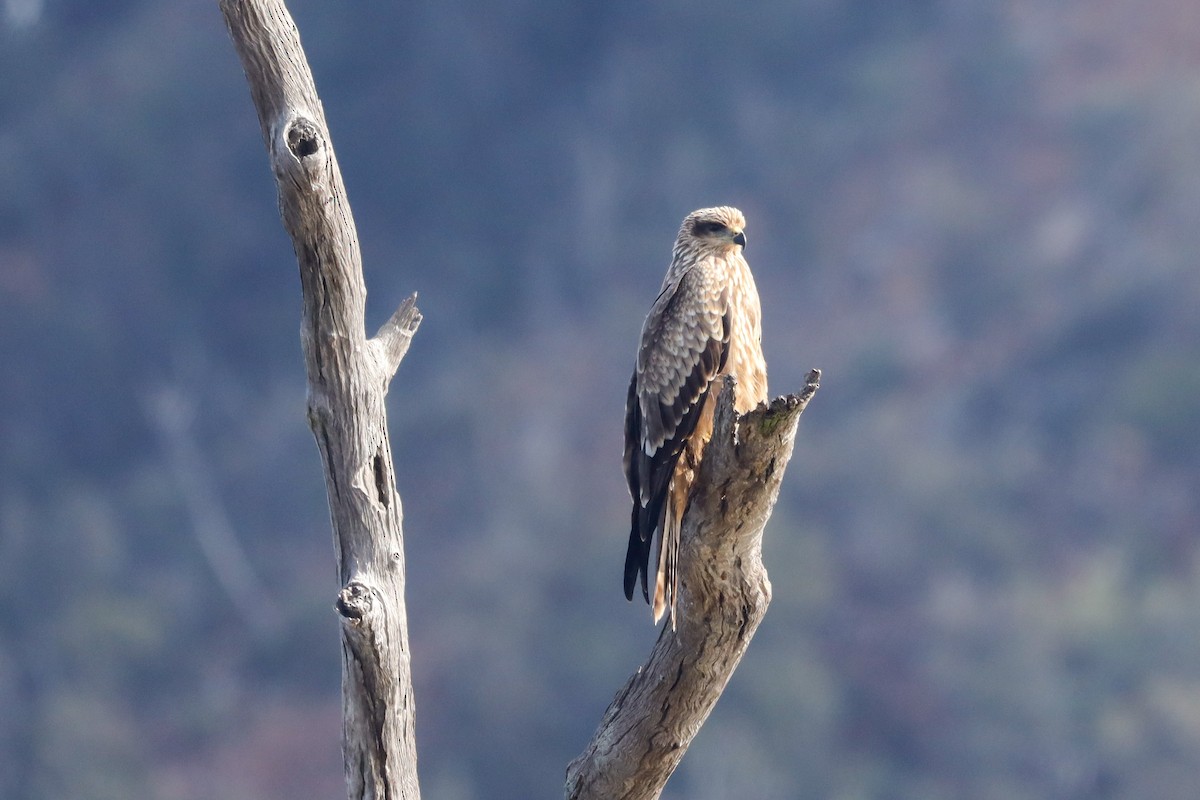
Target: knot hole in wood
[303, 138]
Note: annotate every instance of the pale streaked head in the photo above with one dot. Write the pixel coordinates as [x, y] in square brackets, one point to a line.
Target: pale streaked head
[722, 228]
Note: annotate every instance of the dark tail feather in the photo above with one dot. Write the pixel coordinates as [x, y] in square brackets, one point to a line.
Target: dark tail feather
[637, 557]
[641, 538]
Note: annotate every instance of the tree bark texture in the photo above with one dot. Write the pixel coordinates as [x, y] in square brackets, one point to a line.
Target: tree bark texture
[723, 596]
[348, 377]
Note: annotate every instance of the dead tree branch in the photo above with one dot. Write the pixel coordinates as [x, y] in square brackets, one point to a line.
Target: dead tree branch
[724, 589]
[724, 594]
[348, 376]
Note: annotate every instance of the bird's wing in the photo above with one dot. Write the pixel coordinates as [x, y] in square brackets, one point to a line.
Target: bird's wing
[685, 342]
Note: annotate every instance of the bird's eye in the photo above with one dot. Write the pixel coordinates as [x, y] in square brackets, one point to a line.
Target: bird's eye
[709, 227]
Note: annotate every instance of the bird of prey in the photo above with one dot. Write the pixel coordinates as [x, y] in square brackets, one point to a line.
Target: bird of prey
[706, 323]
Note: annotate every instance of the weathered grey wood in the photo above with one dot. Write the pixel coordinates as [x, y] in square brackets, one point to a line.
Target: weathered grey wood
[724, 589]
[724, 594]
[348, 376]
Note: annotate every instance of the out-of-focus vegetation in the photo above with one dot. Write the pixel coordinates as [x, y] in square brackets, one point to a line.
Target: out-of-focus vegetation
[980, 219]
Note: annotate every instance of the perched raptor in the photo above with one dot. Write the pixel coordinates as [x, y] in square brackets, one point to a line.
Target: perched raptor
[705, 324]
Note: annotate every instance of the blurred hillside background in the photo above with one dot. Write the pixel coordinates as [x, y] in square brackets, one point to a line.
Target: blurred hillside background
[980, 219]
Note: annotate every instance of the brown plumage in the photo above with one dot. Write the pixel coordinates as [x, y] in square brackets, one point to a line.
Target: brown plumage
[704, 324]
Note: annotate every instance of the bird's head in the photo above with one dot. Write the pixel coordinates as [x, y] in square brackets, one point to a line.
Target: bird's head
[722, 228]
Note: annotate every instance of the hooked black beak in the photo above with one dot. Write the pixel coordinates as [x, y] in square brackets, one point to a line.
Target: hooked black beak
[740, 239]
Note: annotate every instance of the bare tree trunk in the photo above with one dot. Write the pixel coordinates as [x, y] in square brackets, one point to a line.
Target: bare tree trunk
[724, 594]
[348, 376]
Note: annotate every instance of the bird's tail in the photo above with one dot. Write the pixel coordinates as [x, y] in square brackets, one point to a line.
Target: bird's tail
[666, 583]
[637, 556]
